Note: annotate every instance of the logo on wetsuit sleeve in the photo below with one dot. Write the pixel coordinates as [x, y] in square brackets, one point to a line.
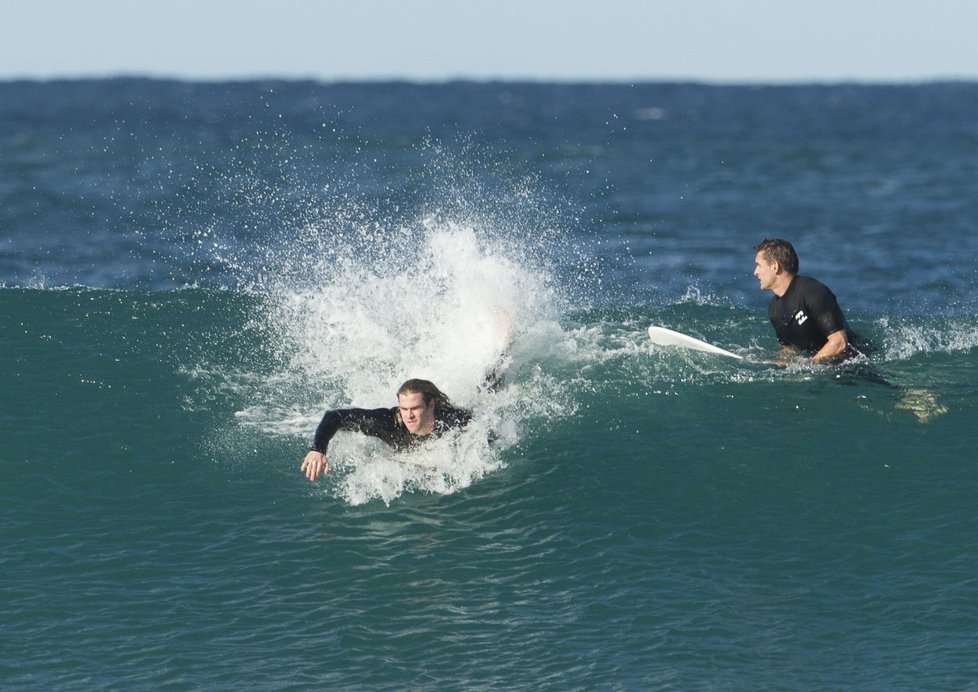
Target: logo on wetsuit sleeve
[801, 317]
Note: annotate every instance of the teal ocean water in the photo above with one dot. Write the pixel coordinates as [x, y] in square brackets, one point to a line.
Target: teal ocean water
[192, 273]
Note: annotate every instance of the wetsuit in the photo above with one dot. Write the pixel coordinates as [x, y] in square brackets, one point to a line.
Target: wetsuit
[806, 314]
[386, 424]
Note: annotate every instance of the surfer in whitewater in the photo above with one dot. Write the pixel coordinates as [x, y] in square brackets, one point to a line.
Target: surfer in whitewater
[423, 411]
[803, 311]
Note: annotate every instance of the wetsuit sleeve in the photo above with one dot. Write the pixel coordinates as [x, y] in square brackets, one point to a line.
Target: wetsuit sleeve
[374, 422]
[825, 310]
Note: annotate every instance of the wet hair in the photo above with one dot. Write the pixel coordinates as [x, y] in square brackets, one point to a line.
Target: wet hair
[780, 251]
[428, 391]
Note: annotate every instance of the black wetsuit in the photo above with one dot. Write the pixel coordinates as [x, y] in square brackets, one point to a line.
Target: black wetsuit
[386, 424]
[806, 314]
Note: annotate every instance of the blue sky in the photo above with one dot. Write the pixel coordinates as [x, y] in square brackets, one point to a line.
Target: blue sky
[766, 41]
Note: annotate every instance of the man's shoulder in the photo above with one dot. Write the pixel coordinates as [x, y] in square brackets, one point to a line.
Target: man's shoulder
[367, 411]
[809, 286]
[358, 415]
[453, 415]
[809, 281]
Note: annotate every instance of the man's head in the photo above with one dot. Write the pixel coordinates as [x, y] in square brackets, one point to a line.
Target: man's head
[780, 251]
[775, 264]
[416, 403]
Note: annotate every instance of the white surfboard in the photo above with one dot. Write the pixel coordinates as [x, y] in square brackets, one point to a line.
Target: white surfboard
[667, 337]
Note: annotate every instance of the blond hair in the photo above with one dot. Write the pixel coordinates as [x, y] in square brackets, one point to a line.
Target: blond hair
[428, 391]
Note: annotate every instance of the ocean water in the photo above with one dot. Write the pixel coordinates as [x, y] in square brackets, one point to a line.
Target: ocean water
[191, 273]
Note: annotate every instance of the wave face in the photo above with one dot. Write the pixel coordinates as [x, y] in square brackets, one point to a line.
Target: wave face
[192, 274]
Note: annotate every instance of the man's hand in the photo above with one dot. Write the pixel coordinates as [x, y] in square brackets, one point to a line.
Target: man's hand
[314, 464]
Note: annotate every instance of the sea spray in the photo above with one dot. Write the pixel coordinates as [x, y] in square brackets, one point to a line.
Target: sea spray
[450, 307]
[470, 292]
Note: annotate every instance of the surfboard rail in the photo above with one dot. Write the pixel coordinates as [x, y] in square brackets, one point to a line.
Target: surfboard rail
[661, 336]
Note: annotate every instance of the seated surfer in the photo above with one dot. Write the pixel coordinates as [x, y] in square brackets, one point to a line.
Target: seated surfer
[804, 312]
[422, 411]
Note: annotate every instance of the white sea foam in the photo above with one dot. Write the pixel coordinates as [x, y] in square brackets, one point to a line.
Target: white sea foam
[445, 299]
[905, 338]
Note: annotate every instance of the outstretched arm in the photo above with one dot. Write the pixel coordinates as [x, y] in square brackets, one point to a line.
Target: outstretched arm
[375, 422]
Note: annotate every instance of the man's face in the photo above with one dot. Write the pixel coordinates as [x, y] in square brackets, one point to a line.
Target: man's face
[417, 417]
[765, 270]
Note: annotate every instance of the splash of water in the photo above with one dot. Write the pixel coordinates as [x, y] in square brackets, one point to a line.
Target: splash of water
[359, 299]
[907, 338]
